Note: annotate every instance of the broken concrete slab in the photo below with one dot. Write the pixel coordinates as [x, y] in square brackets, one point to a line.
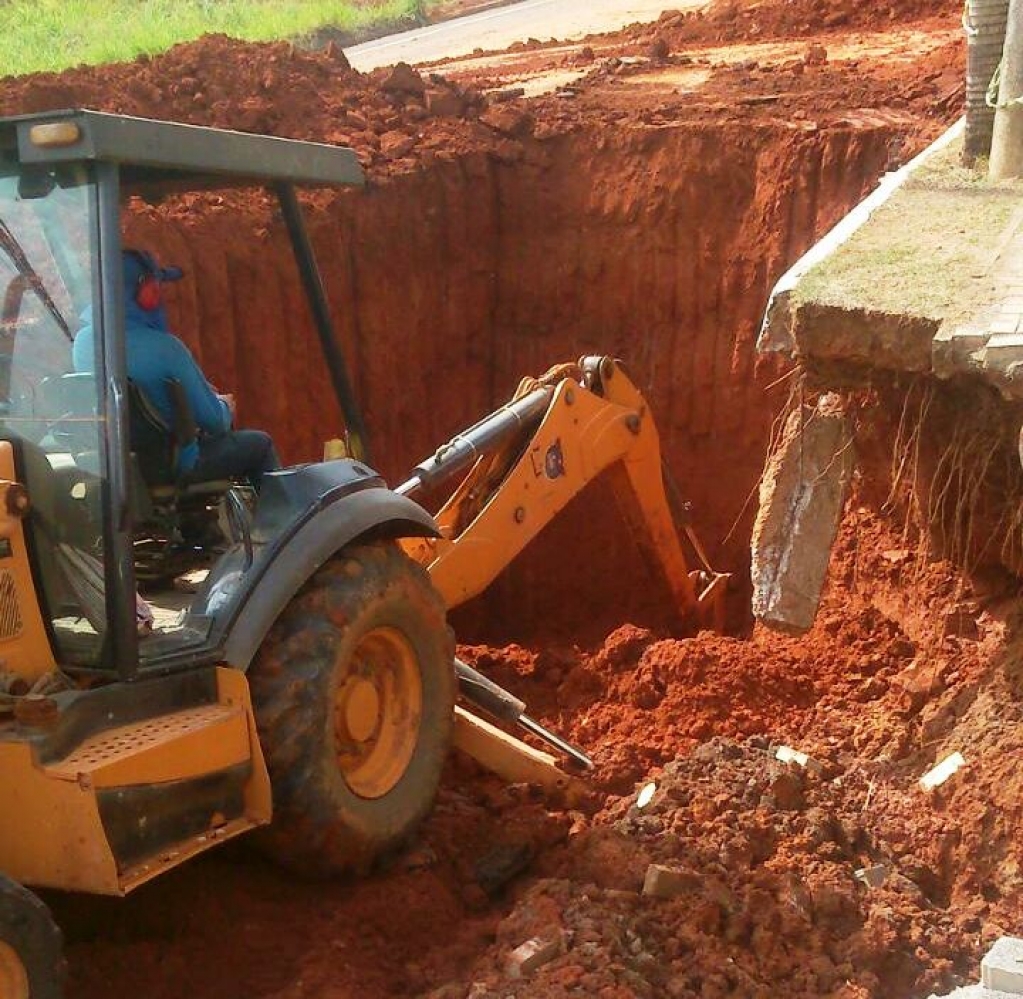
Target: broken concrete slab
[922, 277]
[955, 350]
[940, 773]
[1001, 973]
[777, 331]
[669, 882]
[534, 953]
[802, 493]
[1002, 349]
[1002, 967]
[786, 754]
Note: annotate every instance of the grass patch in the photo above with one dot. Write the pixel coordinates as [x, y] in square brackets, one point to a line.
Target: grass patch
[929, 252]
[55, 34]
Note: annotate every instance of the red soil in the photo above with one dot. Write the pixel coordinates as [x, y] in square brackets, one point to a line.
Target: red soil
[735, 20]
[494, 239]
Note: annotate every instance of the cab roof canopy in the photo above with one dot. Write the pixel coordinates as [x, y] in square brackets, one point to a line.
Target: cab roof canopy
[158, 155]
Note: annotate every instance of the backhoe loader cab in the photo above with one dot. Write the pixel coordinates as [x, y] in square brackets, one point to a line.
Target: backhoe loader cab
[311, 679]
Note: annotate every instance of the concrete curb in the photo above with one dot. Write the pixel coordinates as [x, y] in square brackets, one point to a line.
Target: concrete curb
[776, 331]
[1001, 973]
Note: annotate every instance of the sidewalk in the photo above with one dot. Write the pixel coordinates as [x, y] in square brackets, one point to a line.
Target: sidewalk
[928, 278]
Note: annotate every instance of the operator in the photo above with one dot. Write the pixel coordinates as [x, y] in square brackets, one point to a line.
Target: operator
[154, 355]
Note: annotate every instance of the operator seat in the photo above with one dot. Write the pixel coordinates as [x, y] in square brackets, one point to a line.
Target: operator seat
[157, 446]
[176, 523]
[156, 494]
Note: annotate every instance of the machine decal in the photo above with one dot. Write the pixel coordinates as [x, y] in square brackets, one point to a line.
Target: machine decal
[554, 462]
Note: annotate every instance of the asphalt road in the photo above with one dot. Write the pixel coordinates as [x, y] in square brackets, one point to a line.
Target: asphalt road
[502, 26]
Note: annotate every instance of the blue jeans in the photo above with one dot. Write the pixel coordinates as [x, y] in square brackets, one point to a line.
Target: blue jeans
[237, 454]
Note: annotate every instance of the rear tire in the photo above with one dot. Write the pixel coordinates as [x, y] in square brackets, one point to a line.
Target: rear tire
[31, 948]
[354, 692]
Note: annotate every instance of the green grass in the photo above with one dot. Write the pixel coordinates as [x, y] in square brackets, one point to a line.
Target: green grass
[54, 34]
[928, 252]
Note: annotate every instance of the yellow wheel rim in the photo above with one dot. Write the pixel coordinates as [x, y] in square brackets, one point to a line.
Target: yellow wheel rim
[13, 976]
[378, 707]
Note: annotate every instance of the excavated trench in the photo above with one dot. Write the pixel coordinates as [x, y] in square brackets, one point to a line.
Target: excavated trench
[448, 285]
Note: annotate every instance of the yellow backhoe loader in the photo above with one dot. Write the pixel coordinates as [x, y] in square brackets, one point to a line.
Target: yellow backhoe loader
[309, 685]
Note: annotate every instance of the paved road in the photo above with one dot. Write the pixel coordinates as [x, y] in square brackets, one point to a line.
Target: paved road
[500, 27]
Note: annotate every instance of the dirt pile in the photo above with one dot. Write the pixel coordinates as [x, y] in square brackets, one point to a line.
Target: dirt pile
[763, 898]
[747, 20]
[276, 89]
[904, 665]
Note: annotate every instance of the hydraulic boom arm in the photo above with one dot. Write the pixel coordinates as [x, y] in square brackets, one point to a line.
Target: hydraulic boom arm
[529, 458]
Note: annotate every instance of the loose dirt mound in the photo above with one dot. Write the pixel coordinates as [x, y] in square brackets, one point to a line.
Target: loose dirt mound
[275, 89]
[901, 668]
[735, 20]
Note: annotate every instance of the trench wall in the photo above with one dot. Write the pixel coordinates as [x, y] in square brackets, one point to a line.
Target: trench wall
[449, 284]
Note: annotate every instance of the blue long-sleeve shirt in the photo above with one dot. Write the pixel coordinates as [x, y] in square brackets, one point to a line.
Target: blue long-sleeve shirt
[154, 354]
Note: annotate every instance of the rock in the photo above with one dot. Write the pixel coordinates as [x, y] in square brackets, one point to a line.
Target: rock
[501, 864]
[816, 55]
[624, 646]
[403, 79]
[787, 792]
[395, 145]
[916, 683]
[585, 55]
[872, 877]
[832, 900]
[500, 96]
[443, 102]
[534, 953]
[960, 623]
[658, 50]
[508, 121]
[669, 882]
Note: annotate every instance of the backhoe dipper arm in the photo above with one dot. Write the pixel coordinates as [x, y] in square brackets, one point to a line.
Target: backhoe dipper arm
[530, 458]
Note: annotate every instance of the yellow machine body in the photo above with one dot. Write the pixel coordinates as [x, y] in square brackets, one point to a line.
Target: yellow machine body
[505, 503]
[79, 822]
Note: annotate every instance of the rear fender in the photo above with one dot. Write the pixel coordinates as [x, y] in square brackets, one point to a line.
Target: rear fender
[369, 513]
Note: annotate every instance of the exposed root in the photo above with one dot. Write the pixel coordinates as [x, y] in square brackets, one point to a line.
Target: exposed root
[955, 481]
[905, 461]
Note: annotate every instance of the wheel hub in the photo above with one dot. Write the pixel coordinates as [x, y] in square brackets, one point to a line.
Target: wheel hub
[13, 976]
[377, 712]
[361, 709]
